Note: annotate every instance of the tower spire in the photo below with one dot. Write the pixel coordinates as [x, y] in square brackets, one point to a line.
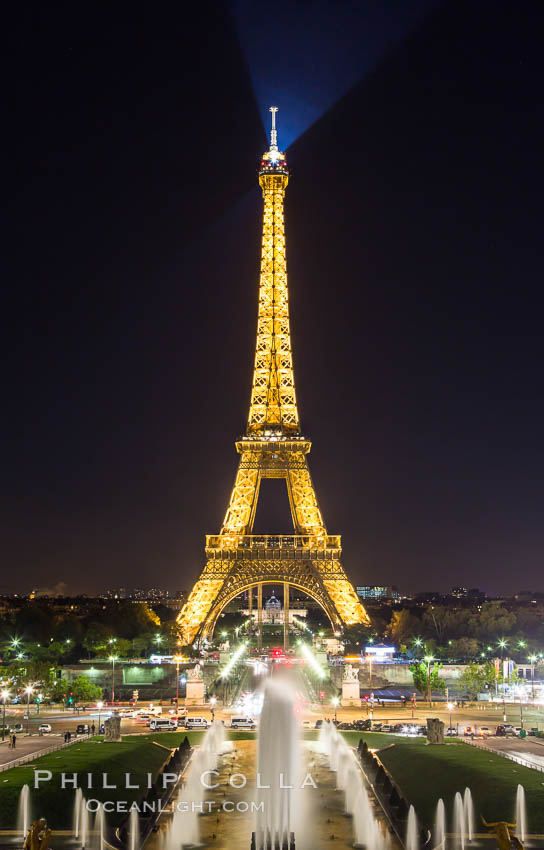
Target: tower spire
[273, 132]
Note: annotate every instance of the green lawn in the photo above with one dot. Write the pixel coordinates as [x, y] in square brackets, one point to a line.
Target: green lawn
[136, 754]
[426, 773]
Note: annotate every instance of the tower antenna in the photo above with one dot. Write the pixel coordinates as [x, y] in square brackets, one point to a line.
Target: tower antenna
[273, 132]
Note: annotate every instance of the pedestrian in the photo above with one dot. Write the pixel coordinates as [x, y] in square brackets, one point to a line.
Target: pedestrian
[13, 741]
[93, 727]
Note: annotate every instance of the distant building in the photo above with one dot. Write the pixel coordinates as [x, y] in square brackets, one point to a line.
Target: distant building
[272, 612]
[459, 592]
[377, 591]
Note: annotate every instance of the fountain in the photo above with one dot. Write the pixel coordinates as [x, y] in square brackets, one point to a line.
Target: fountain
[100, 827]
[134, 831]
[521, 813]
[84, 825]
[459, 821]
[468, 814]
[184, 830]
[277, 765]
[411, 842]
[24, 814]
[76, 817]
[440, 825]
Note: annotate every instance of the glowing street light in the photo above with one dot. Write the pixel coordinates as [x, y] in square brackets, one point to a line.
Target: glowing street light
[311, 659]
[5, 695]
[178, 659]
[335, 702]
[450, 709]
[112, 659]
[28, 691]
[225, 673]
[533, 659]
[428, 659]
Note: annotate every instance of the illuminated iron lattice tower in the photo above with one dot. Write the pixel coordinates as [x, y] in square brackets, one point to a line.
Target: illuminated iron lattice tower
[273, 447]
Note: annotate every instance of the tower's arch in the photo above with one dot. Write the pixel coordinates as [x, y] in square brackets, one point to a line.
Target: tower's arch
[208, 626]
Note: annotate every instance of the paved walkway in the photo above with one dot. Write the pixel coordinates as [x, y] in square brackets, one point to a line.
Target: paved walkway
[531, 750]
[26, 745]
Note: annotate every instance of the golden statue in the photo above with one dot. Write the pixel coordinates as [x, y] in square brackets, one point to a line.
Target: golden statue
[38, 836]
[501, 830]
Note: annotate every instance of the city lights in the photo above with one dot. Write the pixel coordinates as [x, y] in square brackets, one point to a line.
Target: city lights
[310, 658]
[225, 673]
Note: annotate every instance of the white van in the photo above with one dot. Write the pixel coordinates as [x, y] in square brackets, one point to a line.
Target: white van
[156, 724]
[196, 723]
[242, 723]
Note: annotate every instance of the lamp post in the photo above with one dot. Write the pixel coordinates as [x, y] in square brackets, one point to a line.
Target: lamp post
[99, 705]
[177, 659]
[450, 709]
[5, 695]
[533, 659]
[213, 700]
[335, 703]
[28, 691]
[112, 659]
[428, 659]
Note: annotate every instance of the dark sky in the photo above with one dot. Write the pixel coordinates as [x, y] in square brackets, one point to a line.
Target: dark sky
[415, 254]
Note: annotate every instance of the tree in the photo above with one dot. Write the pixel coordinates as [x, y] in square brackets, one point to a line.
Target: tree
[464, 647]
[426, 678]
[495, 621]
[477, 677]
[403, 626]
[84, 690]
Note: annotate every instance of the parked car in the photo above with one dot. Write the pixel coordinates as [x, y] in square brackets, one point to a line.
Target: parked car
[82, 729]
[306, 724]
[319, 723]
[484, 731]
[500, 731]
[377, 727]
[196, 723]
[362, 725]
[345, 726]
[45, 728]
[18, 728]
[386, 728]
[469, 731]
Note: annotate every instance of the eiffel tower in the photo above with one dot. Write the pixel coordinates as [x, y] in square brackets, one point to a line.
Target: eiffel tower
[273, 447]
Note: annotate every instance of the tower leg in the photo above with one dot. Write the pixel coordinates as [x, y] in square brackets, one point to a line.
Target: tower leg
[286, 615]
[260, 616]
[250, 607]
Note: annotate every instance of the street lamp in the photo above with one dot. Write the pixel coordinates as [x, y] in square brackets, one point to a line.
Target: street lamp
[533, 659]
[177, 659]
[213, 700]
[335, 702]
[450, 709]
[5, 695]
[28, 691]
[112, 659]
[428, 659]
[99, 706]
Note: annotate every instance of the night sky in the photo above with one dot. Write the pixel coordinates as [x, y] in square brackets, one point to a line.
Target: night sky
[415, 254]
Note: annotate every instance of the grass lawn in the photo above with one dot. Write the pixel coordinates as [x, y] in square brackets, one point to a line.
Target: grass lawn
[426, 773]
[136, 754]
